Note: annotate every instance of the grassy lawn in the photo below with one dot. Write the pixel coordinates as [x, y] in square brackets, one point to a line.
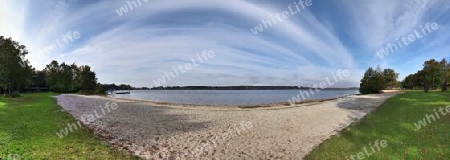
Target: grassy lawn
[28, 127]
[395, 122]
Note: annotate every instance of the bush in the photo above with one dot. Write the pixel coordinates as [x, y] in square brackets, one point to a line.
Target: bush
[99, 90]
[91, 92]
[372, 82]
[14, 94]
[86, 92]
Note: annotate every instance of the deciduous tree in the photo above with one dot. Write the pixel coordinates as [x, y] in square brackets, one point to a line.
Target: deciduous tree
[15, 71]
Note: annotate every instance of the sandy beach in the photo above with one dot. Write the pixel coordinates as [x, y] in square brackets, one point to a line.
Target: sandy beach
[166, 131]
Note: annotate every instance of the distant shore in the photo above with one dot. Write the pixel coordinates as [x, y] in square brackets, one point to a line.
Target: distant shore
[263, 105]
[242, 88]
[231, 98]
[152, 130]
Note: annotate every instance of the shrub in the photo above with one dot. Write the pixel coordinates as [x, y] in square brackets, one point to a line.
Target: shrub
[15, 94]
[372, 82]
[86, 92]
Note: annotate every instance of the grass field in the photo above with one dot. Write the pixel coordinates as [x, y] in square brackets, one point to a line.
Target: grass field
[395, 122]
[28, 127]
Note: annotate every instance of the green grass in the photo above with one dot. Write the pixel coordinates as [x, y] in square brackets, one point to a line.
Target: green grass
[28, 127]
[394, 122]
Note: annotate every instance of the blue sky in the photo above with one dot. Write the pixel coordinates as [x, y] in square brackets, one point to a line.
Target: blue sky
[141, 45]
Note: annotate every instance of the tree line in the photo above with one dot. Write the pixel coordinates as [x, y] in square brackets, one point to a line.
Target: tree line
[238, 88]
[433, 76]
[67, 78]
[224, 87]
[16, 74]
[112, 87]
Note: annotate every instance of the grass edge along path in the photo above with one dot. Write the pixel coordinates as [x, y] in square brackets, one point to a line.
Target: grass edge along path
[28, 127]
[395, 121]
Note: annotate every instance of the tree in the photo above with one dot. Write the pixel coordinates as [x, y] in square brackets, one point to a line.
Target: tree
[125, 87]
[87, 77]
[433, 75]
[433, 72]
[376, 80]
[390, 78]
[445, 74]
[370, 82]
[15, 71]
[51, 75]
[408, 82]
[70, 78]
[16, 74]
[39, 79]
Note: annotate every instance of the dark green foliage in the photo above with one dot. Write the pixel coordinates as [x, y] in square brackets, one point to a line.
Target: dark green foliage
[88, 81]
[374, 81]
[15, 94]
[69, 78]
[434, 75]
[390, 78]
[15, 71]
[108, 87]
[445, 75]
[99, 89]
[87, 92]
[39, 79]
[17, 75]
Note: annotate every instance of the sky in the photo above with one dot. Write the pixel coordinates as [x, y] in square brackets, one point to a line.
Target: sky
[300, 47]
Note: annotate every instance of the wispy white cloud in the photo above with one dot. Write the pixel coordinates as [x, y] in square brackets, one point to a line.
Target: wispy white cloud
[13, 17]
[141, 45]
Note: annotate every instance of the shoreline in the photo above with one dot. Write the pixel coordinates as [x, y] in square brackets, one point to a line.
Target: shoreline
[163, 131]
[250, 106]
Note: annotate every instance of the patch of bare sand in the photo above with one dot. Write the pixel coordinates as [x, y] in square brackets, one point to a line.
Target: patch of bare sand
[164, 131]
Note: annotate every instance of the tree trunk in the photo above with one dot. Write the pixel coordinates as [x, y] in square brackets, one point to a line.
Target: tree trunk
[444, 87]
[10, 92]
[426, 88]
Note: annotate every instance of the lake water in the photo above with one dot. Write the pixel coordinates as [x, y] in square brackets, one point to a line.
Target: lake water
[226, 97]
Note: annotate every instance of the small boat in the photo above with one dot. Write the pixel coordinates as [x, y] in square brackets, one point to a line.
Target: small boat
[122, 92]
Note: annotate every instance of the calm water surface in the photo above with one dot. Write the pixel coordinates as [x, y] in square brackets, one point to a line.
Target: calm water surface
[226, 97]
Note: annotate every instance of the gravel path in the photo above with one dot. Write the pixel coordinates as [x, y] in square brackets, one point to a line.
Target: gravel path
[158, 131]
